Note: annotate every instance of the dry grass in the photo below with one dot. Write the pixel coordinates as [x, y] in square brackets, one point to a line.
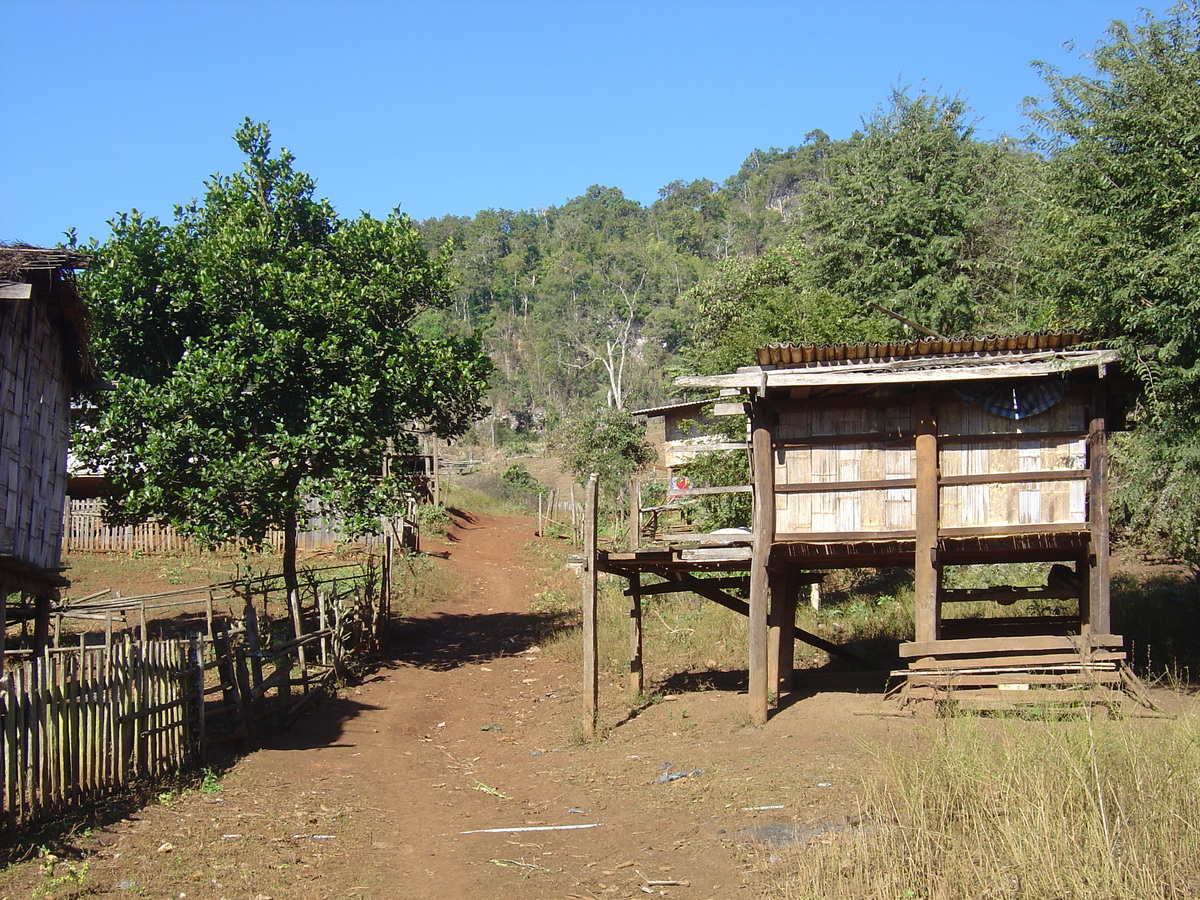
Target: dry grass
[1018, 810]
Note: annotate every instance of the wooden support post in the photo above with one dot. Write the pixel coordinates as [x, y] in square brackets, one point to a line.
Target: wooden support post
[437, 474]
[1096, 612]
[762, 473]
[41, 625]
[591, 675]
[781, 651]
[635, 512]
[3, 623]
[926, 571]
[636, 683]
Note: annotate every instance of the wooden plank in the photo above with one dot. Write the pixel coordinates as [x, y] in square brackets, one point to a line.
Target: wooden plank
[762, 475]
[1097, 609]
[672, 586]
[926, 572]
[636, 684]
[1006, 594]
[837, 486]
[591, 677]
[844, 537]
[826, 440]
[1015, 437]
[717, 554]
[1017, 477]
[993, 645]
[923, 370]
[709, 491]
[16, 291]
[958, 679]
[1054, 528]
[1016, 661]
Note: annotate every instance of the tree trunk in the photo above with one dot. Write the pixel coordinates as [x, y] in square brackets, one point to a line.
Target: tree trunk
[291, 580]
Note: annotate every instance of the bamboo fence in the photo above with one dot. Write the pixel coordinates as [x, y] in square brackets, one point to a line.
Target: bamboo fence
[84, 531]
[81, 722]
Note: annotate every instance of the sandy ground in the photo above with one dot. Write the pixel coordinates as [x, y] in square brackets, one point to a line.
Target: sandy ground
[392, 790]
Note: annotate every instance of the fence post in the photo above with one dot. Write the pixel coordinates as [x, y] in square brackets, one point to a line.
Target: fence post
[591, 681]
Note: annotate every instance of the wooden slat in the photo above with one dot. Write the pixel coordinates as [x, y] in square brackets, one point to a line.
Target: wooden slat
[1017, 477]
[821, 487]
[1016, 661]
[993, 645]
[958, 679]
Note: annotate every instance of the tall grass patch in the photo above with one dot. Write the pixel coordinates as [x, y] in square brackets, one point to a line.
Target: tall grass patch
[1017, 810]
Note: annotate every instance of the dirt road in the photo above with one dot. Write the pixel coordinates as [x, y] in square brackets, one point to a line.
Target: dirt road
[393, 790]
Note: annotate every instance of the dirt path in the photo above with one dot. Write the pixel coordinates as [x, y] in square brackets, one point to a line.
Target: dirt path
[470, 728]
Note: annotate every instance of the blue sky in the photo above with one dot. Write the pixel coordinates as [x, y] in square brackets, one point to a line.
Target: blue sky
[452, 107]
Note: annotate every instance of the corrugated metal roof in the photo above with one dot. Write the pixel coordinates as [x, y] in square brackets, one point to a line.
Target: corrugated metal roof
[794, 355]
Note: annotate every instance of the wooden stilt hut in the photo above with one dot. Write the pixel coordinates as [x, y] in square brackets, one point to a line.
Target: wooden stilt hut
[44, 361]
[927, 454]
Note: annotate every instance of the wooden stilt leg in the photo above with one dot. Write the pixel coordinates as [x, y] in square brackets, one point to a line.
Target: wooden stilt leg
[636, 685]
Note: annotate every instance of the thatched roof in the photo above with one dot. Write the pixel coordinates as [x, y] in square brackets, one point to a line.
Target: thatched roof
[51, 273]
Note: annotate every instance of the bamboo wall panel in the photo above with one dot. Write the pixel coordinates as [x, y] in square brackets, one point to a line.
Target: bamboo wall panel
[1012, 503]
[997, 503]
[33, 433]
[871, 509]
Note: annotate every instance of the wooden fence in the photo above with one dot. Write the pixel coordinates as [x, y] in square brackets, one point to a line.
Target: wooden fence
[84, 721]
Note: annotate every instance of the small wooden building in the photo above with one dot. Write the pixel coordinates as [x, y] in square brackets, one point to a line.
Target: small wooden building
[44, 361]
[927, 454]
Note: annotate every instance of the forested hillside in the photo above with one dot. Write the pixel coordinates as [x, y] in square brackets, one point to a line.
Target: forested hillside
[600, 300]
[1089, 222]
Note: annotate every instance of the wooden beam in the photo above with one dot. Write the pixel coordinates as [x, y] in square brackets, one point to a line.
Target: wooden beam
[911, 371]
[1012, 436]
[782, 635]
[591, 678]
[762, 472]
[926, 571]
[1097, 615]
[636, 681]
[992, 645]
[741, 607]
[1017, 477]
[635, 512]
[671, 587]
[823, 487]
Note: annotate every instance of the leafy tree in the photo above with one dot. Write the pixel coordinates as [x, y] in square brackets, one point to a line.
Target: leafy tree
[606, 441]
[906, 219]
[264, 355]
[1126, 174]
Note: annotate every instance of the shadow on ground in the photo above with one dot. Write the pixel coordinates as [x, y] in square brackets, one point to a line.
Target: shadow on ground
[446, 641]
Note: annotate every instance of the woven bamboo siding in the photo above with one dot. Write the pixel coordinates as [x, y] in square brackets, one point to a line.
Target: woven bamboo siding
[1014, 503]
[838, 511]
[33, 434]
[890, 456]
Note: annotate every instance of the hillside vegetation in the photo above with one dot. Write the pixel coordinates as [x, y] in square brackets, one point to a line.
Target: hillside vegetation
[1088, 222]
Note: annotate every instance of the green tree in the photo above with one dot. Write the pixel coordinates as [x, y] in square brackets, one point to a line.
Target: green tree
[606, 441]
[263, 352]
[906, 218]
[1125, 168]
